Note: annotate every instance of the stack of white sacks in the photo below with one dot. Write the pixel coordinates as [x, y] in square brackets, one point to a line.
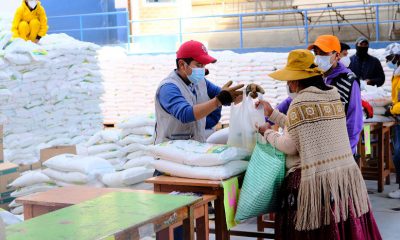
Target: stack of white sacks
[49, 94]
[136, 134]
[28, 183]
[131, 82]
[192, 159]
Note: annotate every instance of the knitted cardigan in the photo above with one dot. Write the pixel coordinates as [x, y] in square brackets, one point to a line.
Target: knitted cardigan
[316, 122]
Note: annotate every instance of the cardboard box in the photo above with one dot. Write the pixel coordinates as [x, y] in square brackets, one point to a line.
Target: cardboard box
[1, 144]
[30, 167]
[8, 173]
[47, 153]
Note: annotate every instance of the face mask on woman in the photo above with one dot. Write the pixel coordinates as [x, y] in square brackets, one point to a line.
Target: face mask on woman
[32, 3]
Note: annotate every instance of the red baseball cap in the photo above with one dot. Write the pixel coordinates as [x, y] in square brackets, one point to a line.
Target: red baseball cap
[196, 50]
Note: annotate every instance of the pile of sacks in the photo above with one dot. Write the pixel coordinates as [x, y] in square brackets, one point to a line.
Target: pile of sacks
[192, 159]
[104, 144]
[379, 99]
[28, 183]
[136, 134]
[49, 94]
[70, 169]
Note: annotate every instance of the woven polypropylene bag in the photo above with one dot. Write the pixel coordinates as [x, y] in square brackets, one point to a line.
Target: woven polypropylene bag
[262, 182]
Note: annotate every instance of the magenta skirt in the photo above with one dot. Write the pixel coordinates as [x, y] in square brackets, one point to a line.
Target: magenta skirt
[361, 228]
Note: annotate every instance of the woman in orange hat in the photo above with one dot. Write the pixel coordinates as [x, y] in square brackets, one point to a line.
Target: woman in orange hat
[324, 195]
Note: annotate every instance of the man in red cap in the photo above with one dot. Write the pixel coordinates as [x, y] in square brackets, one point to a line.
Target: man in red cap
[186, 103]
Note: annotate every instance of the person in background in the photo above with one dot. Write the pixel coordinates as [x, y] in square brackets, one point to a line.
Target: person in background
[366, 67]
[327, 50]
[344, 54]
[30, 21]
[392, 54]
[324, 194]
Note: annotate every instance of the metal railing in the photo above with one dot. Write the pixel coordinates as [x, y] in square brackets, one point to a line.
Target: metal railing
[305, 26]
[81, 29]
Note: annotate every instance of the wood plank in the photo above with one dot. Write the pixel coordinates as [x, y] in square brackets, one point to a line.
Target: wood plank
[101, 217]
[67, 196]
[166, 180]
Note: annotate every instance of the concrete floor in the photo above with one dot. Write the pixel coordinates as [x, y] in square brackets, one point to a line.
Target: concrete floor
[387, 219]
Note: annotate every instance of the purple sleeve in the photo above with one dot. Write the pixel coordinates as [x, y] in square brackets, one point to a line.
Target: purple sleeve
[354, 117]
[283, 107]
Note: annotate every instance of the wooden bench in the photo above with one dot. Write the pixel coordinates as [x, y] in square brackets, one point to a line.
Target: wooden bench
[45, 202]
[383, 155]
[116, 215]
[166, 184]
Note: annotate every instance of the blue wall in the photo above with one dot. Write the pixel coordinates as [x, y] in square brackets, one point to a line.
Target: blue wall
[73, 7]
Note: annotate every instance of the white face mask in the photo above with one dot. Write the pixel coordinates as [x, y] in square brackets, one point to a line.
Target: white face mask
[345, 61]
[32, 3]
[291, 94]
[323, 62]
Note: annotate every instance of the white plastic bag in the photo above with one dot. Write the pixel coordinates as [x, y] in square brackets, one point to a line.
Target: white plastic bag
[243, 121]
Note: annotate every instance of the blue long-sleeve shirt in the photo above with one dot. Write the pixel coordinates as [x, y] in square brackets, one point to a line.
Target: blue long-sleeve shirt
[173, 102]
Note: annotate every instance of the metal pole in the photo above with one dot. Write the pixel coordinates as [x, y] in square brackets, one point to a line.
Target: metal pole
[377, 34]
[306, 27]
[241, 30]
[81, 27]
[128, 32]
[180, 31]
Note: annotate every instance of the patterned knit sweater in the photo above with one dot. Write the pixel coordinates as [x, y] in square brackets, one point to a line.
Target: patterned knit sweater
[316, 124]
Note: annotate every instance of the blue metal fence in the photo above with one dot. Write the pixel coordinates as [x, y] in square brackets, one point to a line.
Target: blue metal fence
[305, 26]
[104, 24]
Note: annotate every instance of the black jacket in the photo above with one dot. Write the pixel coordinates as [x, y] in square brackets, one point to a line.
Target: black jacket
[368, 68]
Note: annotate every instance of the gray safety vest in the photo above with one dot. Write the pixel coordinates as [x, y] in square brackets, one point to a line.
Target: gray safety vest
[167, 126]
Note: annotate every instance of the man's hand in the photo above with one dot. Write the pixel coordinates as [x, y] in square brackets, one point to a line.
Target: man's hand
[253, 89]
[266, 106]
[229, 94]
[36, 41]
[369, 82]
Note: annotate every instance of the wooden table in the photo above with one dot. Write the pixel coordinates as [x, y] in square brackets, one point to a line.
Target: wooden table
[116, 215]
[381, 173]
[166, 184]
[55, 199]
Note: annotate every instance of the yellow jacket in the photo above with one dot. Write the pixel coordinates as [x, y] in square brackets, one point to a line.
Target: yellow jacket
[395, 110]
[23, 13]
